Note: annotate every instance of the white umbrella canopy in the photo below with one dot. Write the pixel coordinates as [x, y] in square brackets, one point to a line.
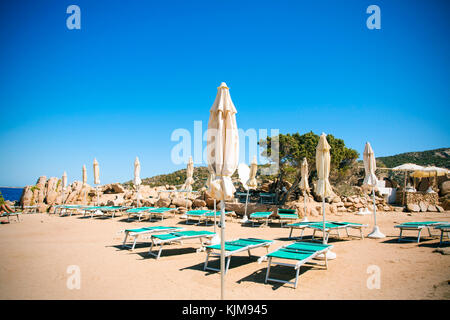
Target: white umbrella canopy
[370, 181]
[137, 179]
[408, 167]
[223, 157]
[252, 183]
[323, 163]
[430, 172]
[64, 181]
[84, 175]
[222, 144]
[304, 185]
[96, 177]
[370, 165]
[189, 175]
[137, 172]
[96, 172]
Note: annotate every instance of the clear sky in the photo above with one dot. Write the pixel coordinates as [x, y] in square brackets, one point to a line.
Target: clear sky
[138, 70]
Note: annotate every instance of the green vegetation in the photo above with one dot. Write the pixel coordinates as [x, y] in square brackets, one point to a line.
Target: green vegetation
[436, 157]
[294, 147]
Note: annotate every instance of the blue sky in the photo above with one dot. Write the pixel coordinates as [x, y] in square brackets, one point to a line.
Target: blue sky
[138, 70]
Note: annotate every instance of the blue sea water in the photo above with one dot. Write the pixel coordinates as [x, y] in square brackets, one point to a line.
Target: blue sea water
[11, 194]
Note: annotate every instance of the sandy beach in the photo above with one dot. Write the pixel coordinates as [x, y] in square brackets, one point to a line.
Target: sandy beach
[37, 252]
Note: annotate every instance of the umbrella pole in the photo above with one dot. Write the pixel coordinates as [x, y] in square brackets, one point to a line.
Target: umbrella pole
[305, 218]
[374, 208]
[96, 189]
[222, 250]
[376, 233]
[404, 190]
[215, 223]
[245, 219]
[137, 196]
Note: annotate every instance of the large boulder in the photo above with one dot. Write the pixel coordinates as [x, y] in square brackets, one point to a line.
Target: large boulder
[423, 206]
[413, 207]
[163, 202]
[198, 203]
[445, 188]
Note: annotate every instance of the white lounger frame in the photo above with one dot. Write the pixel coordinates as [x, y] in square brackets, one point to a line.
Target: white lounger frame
[327, 231]
[417, 228]
[296, 265]
[229, 254]
[144, 233]
[161, 243]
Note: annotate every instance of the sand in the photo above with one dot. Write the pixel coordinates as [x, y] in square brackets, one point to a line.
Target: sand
[37, 252]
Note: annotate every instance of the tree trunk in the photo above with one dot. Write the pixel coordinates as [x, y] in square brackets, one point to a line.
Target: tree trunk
[291, 189]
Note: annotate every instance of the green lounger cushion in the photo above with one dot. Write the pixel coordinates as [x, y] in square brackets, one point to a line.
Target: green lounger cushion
[139, 209]
[211, 213]
[161, 210]
[290, 254]
[288, 215]
[420, 223]
[143, 229]
[260, 214]
[175, 235]
[238, 244]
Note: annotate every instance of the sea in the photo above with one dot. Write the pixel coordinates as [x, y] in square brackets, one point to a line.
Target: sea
[11, 194]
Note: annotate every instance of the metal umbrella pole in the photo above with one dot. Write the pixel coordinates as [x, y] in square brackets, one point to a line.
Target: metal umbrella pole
[222, 249]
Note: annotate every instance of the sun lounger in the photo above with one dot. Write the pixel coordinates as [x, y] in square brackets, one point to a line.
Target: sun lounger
[284, 215]
[233, 247]
[12, 214]
[104, 210]
[179, 236]
[161, 212]
[136, 233]
[330, 226]
[417, 226]
[258, 216]
[30, 209]
[443, 228]
[300, 252]
[138, 212]
[209, 216]
[196, 214]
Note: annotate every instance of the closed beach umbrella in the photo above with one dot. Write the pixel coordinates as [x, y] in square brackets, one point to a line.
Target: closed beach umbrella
[64, 181]
[84, 175]
[304, 185]
[96, 177]
[96, 172]
[137, 172]
[189, 175]
[252, 183]
[370, 180]
[137, 179]
[223, 156]
[323, 161]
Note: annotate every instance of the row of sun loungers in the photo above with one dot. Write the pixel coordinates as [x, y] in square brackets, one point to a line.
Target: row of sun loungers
[205, 216]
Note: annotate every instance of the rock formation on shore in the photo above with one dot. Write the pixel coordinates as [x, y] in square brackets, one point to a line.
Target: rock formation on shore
[48, 192]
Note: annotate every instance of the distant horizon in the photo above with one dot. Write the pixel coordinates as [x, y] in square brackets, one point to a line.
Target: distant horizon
[136, 72]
